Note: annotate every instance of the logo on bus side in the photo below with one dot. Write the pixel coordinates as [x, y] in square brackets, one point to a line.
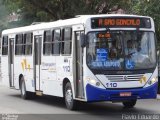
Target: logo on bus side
[25, 65]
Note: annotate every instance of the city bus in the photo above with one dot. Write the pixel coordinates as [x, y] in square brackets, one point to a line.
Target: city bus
[89, 58]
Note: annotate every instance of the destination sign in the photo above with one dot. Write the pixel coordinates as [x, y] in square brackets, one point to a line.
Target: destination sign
[120, 22]
[104, 35]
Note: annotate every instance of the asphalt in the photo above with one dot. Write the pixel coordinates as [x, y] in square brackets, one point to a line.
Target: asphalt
[47, 108]
[53, 108]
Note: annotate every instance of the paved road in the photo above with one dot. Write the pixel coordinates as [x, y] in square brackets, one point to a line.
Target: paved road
[10, 102]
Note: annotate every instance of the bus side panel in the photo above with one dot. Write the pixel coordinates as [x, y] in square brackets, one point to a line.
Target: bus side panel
[19, 68]
[4, 71]
[30, 83]
[49, 76]
[64, 70]
[24, 65]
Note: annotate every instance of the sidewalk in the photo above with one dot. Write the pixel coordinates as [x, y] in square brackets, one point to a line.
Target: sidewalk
[158, 96]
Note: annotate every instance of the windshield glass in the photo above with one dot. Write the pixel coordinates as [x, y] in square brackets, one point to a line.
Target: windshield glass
[121, 50]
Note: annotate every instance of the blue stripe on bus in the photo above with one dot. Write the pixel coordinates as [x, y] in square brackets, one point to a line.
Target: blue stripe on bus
[97, 94]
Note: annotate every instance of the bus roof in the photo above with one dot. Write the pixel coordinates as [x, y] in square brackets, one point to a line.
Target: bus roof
[79, 19]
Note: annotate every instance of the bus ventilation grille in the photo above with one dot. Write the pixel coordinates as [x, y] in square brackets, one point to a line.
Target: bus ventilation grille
[123, 78]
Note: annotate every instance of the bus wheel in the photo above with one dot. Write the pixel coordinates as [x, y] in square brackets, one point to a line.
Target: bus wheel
[69, 101]
[130, 103]
[24, 94]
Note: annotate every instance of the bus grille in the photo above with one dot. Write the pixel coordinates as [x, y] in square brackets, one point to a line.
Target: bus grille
[123, 78]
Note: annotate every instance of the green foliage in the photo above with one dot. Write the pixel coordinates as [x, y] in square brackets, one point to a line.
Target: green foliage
[50, 10]
[3, 16]
[149, 8]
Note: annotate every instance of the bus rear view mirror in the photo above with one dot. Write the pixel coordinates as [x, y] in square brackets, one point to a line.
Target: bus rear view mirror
[83, 43]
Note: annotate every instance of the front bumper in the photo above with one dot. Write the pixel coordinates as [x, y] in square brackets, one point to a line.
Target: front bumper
[98, 94]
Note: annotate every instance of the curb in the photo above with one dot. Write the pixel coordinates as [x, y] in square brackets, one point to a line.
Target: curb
[158, 96]
[1, 83]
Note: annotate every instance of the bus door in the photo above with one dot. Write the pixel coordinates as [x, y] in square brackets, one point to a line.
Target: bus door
[78, 80]
[11, 61]
[37, 61]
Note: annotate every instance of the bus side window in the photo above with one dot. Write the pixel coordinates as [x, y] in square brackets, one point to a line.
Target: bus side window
[5, 45]
[19, 45]
[66, 41]
[56, 42]
[47, 44]
[28, 44]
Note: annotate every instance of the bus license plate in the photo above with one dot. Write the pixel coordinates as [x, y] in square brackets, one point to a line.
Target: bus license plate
[125, 94]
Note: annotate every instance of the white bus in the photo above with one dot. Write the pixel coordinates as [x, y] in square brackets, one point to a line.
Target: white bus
[88, 58]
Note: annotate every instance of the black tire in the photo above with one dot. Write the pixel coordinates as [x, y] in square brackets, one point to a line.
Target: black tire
[129, 104]
[68, 95]
[25, 94]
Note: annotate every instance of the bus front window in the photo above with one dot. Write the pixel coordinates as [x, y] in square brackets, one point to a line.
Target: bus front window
[122, 50]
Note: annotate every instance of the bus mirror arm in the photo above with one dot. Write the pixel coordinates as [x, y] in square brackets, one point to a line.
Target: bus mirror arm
[137, 32]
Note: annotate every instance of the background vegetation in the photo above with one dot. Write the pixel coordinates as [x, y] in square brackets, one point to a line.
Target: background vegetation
[30, 11]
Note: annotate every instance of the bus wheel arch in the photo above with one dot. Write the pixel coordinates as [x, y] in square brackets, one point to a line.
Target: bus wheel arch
[22, 85]
[68, 95]
[20, 80]
[65, 81]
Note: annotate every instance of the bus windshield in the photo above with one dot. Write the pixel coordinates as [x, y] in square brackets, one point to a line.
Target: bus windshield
[121, 50]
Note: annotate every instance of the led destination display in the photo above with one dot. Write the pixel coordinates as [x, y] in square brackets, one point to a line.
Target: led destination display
[120, 22]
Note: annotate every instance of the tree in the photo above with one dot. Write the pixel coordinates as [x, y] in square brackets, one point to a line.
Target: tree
[3, 16]
[50, 10]
[149, 8]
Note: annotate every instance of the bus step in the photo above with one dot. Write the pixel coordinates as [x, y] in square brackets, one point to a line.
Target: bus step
[12, 87]
[39, 93]
[80, 99]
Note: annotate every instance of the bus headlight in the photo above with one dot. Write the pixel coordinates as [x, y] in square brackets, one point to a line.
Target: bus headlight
[152, 81]
[93, 82]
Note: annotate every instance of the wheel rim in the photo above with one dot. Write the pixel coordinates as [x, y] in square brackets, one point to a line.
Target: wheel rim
[23, 88]
[68, 97]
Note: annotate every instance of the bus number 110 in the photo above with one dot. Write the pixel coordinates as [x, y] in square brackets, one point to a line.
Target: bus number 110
[112, 85]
